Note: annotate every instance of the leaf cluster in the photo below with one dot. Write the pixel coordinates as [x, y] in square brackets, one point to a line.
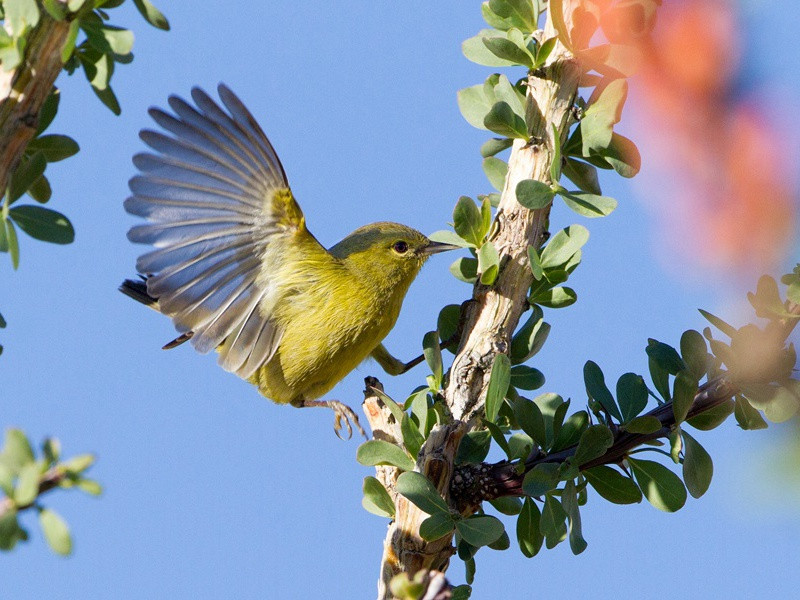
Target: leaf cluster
[23, 478]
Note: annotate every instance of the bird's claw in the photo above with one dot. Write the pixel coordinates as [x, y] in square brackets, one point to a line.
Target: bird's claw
[345, 413]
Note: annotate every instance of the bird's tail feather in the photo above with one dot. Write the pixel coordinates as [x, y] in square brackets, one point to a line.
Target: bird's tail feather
[137, 289]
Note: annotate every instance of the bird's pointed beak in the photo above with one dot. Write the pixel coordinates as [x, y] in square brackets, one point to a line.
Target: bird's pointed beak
[436, 247]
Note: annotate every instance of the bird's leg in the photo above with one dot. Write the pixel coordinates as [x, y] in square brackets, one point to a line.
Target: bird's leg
[395, 366]
[342, 412]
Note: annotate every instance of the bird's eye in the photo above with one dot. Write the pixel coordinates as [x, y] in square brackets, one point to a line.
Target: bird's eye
[400, 247]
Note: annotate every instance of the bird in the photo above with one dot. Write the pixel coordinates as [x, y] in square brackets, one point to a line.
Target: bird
[235, 268]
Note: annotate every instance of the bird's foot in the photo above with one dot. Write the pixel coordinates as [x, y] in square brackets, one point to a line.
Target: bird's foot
[343, 414]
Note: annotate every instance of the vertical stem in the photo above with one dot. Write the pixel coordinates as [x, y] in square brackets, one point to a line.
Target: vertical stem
[491, 319]
[23, 91]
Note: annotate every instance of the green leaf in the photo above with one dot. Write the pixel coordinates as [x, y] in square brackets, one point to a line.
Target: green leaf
[660, 378]
[17, 451]
[631, 395]
[555, 163]
[683, 393]
[724, 327]
[54, 147]
[529, 536]
[552, 524]
[376, 499]
[480, 530]
[793, 292]
[569, 500]
[465, 269]
[380, 452]
[10, 531]
[467, 221]
[29, 170]
[501, 543]
[563, 246]
[494, 145]
[448, 320]
[522, 14]
[419, 490]
[571, 430]
[710, 419]
[530, 419]
[11, 242]
[27, 485]
[507, 505]
[545, 50]
[68, 48]
[540, 480]
[43, 224]
[449, 237]
[474, 105]
[534, 194]
[6, 480]
[588, 205]
[662, 488]
[645, 424]
[535, 263]
[436, 526]
[697, 466]
[694, 352]
[583, 175]
[412, 437]
[151, 14]
[597, 389]
[502, 120]
[524, 377]
[474, 447]
[461, 592]
[48, 111]
[78, 464]
[475, 50]
[40, 190]
[89, 486]
[612, 485]
[593, 444]
[557, 297]
[496, 171]
[55, 531]
[433, 356]
[504, 91]
[601, 116]
[767, 300]
[57, 10]
[499, 380]
[666, 356]
[506, 49]
[746, 416]
[20, 14]
[530, 338]
[488, 263]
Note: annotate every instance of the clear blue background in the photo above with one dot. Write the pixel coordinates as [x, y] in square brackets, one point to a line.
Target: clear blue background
[212, 491]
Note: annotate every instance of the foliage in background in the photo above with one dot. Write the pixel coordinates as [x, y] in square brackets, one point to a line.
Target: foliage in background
[556, 455]
[94, 46]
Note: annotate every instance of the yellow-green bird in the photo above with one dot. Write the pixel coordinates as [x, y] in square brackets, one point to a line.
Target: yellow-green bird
[236, 270]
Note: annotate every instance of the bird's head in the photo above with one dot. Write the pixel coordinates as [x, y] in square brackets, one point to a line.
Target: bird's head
[388, 253]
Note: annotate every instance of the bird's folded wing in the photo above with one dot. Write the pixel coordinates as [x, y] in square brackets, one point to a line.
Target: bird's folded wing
[217, 203]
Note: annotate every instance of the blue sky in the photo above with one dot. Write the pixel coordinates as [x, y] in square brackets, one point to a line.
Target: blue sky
[212, 491]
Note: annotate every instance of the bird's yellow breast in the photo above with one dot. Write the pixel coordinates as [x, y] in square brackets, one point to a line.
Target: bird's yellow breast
[319, 347]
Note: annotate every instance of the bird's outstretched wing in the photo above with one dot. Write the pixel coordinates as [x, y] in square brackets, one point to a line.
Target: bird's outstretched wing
[218, 205]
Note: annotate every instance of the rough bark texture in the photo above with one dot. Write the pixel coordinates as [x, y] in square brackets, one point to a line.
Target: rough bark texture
[24, 90]
[488, 323]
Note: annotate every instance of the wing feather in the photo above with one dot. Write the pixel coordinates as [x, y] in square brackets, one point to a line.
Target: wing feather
[217, 202]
